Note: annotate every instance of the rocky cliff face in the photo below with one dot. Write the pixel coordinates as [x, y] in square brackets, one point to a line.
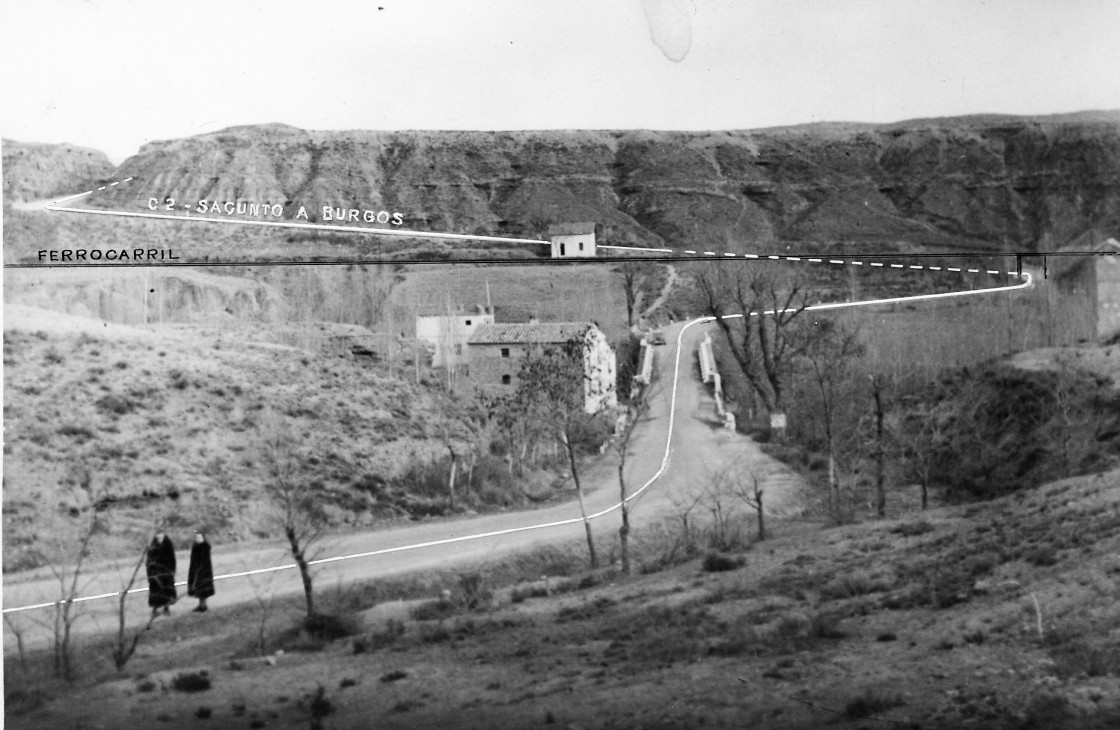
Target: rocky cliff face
[34, 171]
[998, 183]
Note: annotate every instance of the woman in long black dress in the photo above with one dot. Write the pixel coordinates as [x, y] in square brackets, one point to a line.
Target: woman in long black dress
[200, 574]
[161, 574]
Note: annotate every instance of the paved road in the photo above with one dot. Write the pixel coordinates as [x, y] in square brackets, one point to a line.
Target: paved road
[698, 444]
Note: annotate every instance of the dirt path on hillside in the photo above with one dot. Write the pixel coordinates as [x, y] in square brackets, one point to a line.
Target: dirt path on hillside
[698, 445]
[666, 290]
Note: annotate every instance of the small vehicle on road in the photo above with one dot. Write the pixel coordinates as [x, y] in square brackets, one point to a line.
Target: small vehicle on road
[657, 337]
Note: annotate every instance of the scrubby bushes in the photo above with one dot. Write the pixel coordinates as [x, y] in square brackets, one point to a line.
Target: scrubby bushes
[715, 562]
[191, 682]
[1005, 429]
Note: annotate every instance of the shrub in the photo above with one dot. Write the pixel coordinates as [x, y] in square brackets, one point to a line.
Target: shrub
[851, 585]
[1080, 657]
[79, 432]
[583, 611]
[433, 610]
[329, 627]
[715, 562]
[1045, 711]
[191, 682]
[393, 630]
[320, 705]
[870, 703]
[1042, 555]
[818, 462]
[975, 637]
[394, 675]
[825, 626]
[203, 712]
[589, 581]
[473, 591]
[117, 404]
[912, 529]
[434, 634]
[982, 564]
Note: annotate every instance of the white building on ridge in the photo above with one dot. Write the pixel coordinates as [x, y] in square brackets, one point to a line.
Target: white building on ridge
[573, 240]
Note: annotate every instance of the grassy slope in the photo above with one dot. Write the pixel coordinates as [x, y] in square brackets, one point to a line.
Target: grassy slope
[923, 621]
[166, 423]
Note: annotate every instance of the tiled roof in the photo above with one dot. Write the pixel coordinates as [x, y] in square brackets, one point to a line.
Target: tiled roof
[540, 333]
[571, 229]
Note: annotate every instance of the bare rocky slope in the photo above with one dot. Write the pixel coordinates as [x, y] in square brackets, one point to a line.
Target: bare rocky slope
[33, 171]
[989, 182]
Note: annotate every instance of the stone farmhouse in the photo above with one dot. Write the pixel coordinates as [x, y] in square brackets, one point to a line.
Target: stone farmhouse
[497, 350]
[447, 334]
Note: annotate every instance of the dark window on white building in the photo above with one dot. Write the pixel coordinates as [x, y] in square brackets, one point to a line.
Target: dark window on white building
[505, 352]
[505, 380]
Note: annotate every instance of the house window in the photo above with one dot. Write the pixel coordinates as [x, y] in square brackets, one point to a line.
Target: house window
[468, 323]
[505, 352]
[581, 245]
[562, 249]
[505, 380]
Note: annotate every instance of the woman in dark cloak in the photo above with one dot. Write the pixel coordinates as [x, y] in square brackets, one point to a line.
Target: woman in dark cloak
[161, 574]
[200, 574]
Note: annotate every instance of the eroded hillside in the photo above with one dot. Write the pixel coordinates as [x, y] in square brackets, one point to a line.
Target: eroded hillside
[33, 171]
[993, 183]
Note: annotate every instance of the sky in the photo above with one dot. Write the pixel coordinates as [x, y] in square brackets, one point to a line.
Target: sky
[114, 75]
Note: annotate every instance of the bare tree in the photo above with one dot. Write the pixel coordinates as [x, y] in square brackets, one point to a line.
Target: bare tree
[685, 538]
[503, 415]
[634, 275]
[635, 410]
[877, 388]
[298, 510]
[748, 486]
[830, 357]
[17, 628]
[758, 310]
[70, 585]
[720, 500]
[125, 647]
[726, 487]
[264, 596]
[1074, 426]
[921, 438]
[552, 390]
[449, 442]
